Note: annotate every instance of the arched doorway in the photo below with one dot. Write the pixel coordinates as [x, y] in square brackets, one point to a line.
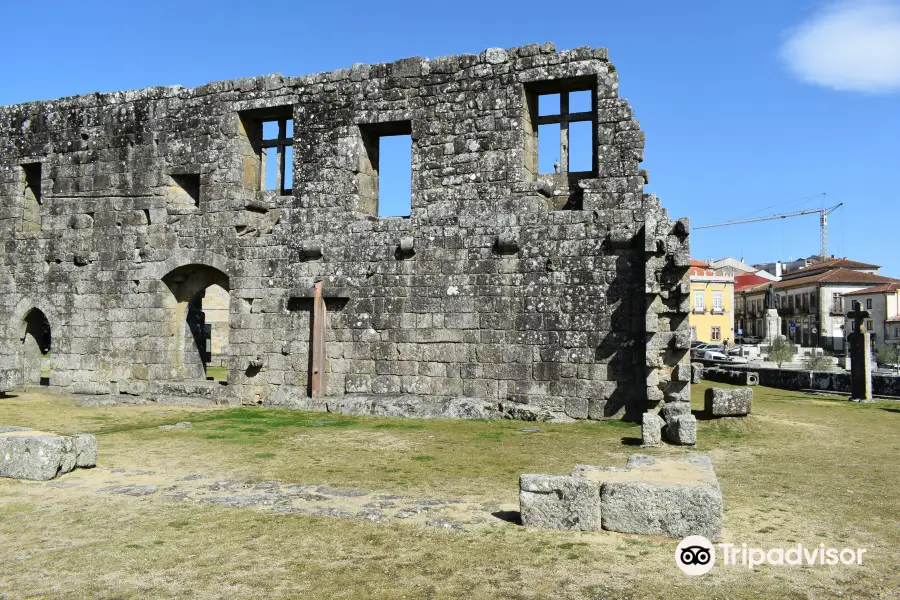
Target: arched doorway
[199, 323]
[36, 346]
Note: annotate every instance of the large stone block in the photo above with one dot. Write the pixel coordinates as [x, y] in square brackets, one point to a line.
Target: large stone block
[682, 430]
[674, 409]
[651, 429]
[559, 502]
[10, 379]
[675, 498]
[696, 372]
[728, 403]
[85, 450]
[27, 454]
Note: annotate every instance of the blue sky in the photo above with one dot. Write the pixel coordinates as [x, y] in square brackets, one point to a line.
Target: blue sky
[748, 106]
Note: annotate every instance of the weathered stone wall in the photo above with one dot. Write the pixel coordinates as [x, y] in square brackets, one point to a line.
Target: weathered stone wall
[497, 293]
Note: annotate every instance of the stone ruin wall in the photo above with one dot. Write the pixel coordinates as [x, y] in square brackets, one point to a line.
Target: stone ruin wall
[566, 294]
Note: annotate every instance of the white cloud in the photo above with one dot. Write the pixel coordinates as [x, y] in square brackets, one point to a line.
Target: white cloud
[849, 45]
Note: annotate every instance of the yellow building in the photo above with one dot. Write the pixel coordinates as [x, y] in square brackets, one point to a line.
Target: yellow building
[712, 305]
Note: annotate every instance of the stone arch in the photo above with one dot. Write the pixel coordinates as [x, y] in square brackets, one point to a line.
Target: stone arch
[30, 332]
[186, 327]
[25, 306]
[181, 258]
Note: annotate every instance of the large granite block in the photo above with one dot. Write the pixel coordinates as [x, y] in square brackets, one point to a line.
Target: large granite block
[728, 403]
[675, 498]
[651, 429]
[10, 379]
[682, 430]
[28, 454]
[559, 502]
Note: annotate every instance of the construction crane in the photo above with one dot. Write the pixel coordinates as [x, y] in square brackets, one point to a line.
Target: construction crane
[823, 223]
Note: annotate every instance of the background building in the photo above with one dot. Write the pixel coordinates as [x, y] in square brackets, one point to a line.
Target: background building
[810, 301]
[883, 304]
[712, 302]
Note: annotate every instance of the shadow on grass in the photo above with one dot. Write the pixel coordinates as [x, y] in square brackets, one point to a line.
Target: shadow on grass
[4, 395]
[632, 441]
[893, 410]
[702, 415]
[510, 516]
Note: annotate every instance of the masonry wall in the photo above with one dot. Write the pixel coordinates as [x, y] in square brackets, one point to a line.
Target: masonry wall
[489, 290]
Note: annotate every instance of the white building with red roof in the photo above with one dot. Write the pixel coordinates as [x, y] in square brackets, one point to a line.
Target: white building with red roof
[883, 305]
[810, 301]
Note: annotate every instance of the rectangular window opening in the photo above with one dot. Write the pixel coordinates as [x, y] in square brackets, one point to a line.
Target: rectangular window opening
[32, 197]
[277, 138]
[560, 145]
[189, 188]
[395, 176]
[385, 169]
[33, 180]
[267, 150]
[570, 110]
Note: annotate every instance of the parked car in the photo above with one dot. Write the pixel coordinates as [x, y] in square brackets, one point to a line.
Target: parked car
[698, 350]
[748, 340]
[718, 356]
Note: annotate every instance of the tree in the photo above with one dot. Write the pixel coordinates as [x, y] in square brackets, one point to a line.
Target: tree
[889, 354]
[817, 362]
[781, 350]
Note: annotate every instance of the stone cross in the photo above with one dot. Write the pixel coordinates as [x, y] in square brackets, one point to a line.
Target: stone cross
[318, 342]
[860, 357]
[859, 317]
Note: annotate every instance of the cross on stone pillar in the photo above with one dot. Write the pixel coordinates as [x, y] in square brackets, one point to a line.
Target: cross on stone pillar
[859, 317]
[318, 342]
[860, 356]
[314, 300]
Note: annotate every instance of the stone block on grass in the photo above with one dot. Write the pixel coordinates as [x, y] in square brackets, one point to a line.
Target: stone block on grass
[651, 429]
[649, 496]
[28, 454]
[10, 379]
[728, 403]
[682, 430]
[696, 372]
[559, 502]
[674, 498]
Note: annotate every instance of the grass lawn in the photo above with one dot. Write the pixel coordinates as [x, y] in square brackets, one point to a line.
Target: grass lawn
[802, 469]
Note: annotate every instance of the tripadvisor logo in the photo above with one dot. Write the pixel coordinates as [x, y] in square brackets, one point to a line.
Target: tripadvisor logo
[696, 555]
